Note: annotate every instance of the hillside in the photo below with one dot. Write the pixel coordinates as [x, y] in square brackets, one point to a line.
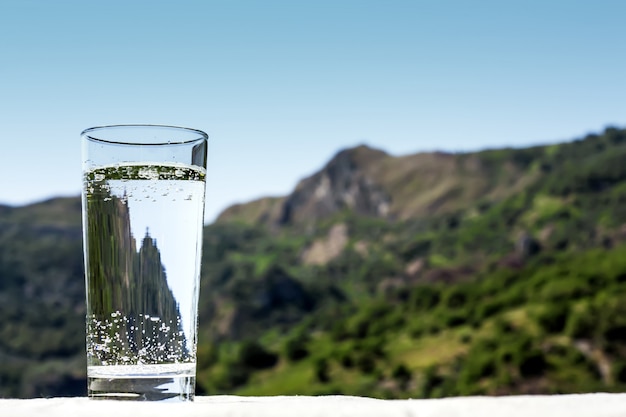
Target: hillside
[484, 280]
[495, 272]
[42, 303]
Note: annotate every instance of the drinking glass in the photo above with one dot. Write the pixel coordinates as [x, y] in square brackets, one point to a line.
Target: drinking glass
[143, 210]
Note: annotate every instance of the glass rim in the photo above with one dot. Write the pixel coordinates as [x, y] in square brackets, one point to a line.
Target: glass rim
[196, 135]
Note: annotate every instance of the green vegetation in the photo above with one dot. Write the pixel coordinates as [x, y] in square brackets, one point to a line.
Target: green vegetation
[515, 283]
[554, 326]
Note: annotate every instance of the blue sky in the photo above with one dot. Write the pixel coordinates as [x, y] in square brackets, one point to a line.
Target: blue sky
[281, 86]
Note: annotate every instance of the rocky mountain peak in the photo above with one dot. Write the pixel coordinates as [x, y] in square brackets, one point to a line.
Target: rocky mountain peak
[344, 183]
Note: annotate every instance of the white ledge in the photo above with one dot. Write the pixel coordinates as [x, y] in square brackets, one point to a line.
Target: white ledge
[580, 405]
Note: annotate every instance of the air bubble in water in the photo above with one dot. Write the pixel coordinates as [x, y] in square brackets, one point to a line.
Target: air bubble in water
[149, 173]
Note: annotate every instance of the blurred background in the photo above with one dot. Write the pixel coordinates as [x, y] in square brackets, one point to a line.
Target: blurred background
[404, 198]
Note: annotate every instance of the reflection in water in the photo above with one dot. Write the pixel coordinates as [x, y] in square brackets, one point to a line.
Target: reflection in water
[133, 315]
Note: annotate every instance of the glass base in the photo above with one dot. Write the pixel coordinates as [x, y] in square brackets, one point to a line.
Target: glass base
[174, 389]
[165, 382]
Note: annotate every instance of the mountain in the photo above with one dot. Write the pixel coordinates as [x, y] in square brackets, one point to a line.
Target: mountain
[432, 275]
[435, 274]
[373, 183]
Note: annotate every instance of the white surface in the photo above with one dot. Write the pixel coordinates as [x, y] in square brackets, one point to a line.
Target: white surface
[592, 405]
